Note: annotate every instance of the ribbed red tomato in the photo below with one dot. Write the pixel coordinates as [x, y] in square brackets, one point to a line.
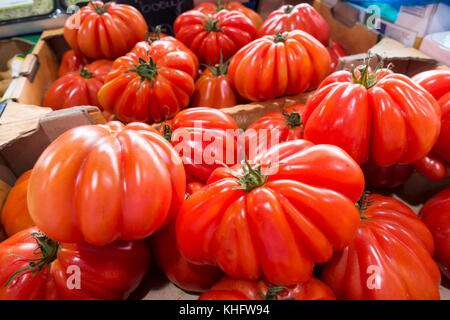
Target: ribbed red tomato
[231, 289]
[72, 61]
[300, 17]
[105, 30]
[151, 83]
[336, 50]
[436, 215]
[437, 82]
[276, 221]
[204, 138]
[101, 183]
[78, 88]
[386, 177]
[381, 116]
[35, 267]
[284, 64]
[211, 34]
[390, 257]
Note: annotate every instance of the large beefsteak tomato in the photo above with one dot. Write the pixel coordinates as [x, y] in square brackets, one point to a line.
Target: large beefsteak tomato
[78, 88]
[276, 220]
[35, 267]
[390, 257]
[283, 64]
[231, 289]
[436, 215]
[382, 116]
[105, 30]
[101, 183]
[300, 17]
[211, 34]
[151, 83]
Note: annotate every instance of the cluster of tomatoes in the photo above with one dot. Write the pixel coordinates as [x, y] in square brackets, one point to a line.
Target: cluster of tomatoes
[291, 219]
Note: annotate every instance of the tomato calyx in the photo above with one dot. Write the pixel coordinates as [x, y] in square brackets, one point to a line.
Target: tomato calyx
[211, 25]
[46, 247]
[100, 9]
[273, 292]
[147, 70]
[220, 68]
[279, 37]
[85, 73]
[252, 177]
[155, 35]
[167, 133]
[363, 203]
[366, 79]
[293, 119]
[288, 9]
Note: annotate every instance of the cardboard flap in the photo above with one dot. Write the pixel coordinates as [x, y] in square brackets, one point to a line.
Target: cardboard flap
[30, 66]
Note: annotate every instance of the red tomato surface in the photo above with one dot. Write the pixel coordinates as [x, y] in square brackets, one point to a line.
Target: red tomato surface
[283, 221]
[274, 127]
[151, 83]
[390, 257]
[386, 177]
[194, 186]
[336, 50]
[437, 82]
[15, 216]
[232, 6]
[78, 88]
[231, 289]
[436, 215]
[101, 183]
[72, 61]
[382, 116]
[203, 136]
[284, 64]
[211, 34]
[107, 30]
[300, 17]
[108, 272]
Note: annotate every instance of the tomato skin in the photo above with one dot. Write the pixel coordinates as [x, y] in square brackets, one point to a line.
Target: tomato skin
[193, 187]
[15, 216]
[393, 247]
[386, 177]
[336, 50]
[300, 17]
[210, 136]
[233, 6]
[72, 61]
[108, 273]
[75, 89]
[107, 35]
[436, 215]
[134, 96]
[270, 67]
[395, 121]
[127, 164]
[231, 289]
[227, 227]
[437, 83]
[275, 127]
[213, 91]
[232, 31]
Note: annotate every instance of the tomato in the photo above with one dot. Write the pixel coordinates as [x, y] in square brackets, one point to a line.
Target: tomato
[284, 64]
[233, 6]
[204, 138]
[107, 30]
[300, 17]
[274, 127]
[436, 215]
[50, 268]
[381, 116]
[194, 186]
[231, 289]
[274, 221]
[213, 88]
[15, 216]
[211, 34]
[101, 183]
[78, 88]
[390, 257]
[151, 83]
[336, 50]
[386, 177]
[437, 83]
[72, 61]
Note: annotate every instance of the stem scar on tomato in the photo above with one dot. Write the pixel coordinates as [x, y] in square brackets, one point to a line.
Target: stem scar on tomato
[293, 119]
[273, 292]
[85, 73]
[363, 203]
